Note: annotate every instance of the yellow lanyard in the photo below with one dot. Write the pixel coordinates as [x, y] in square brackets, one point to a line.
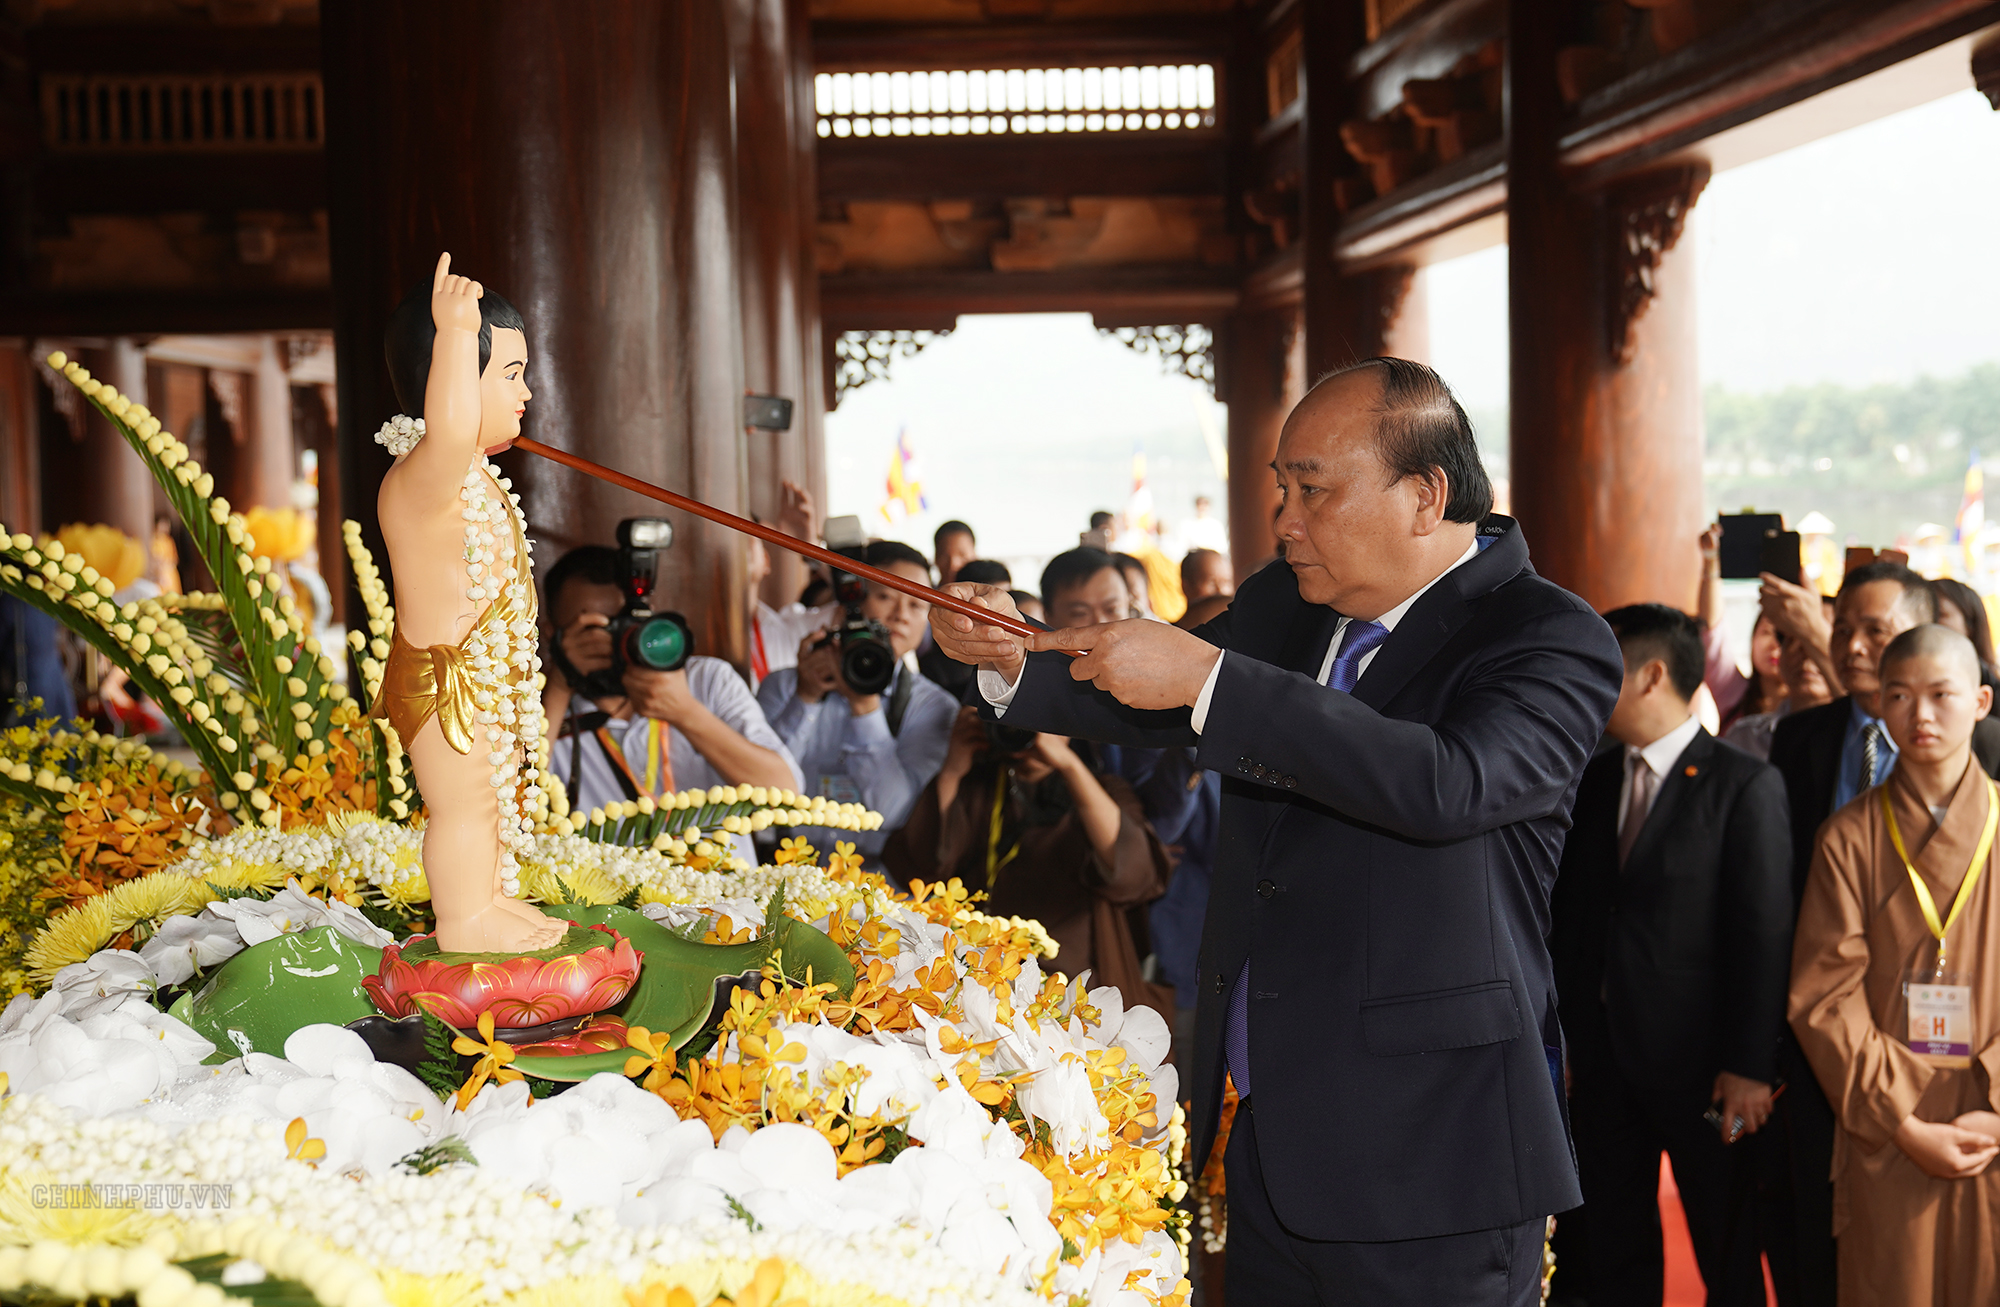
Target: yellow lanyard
[1972, 872]
[659, 766]
[994, 862]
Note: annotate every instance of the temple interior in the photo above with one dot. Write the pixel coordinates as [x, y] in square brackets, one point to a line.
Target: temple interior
[215, 203]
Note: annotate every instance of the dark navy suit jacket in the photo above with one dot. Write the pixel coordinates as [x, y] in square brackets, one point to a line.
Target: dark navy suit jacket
[1674, 966]
[1385, 864]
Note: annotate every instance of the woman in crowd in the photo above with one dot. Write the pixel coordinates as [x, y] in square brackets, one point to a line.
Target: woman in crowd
[1033, 822]
[1960, 608]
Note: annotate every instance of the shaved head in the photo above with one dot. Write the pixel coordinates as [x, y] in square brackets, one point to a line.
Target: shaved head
[1939, 642]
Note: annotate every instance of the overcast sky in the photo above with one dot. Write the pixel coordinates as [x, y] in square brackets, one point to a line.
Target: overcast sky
[1868, 256]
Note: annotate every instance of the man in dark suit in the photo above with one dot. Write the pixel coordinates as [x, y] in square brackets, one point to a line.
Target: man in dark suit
[1672, 941]
[1829, 755]
[1399, 712]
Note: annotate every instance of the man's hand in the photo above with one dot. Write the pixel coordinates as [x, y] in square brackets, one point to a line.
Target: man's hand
[1055, 751]
[454, 300]
[1985, 1123]
[968, 744]
[1945, 1150]
[819, 668]
[819, 676]
[1746, 1105]
[795, 512]
[1140, 663]
[663, 696]
[977, 642]
[586, 642]
[1795, 610]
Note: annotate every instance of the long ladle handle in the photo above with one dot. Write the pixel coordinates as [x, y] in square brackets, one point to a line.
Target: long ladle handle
[771, 535]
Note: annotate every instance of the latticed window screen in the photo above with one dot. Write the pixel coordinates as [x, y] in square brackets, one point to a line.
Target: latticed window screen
[275, 111]
[981, 102]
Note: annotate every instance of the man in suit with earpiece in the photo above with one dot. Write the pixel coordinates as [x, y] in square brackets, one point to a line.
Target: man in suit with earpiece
[1399, 711]
[1672, 940]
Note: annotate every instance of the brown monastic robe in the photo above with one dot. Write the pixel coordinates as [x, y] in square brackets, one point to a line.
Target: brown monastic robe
[1905, 1238]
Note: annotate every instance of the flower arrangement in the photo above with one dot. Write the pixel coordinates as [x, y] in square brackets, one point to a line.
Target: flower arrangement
[959, 1127]
[955, 1126]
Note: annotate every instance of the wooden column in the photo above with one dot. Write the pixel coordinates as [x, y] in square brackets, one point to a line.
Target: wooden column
[581, 162]
[810, 418]
[1342, 318]
[20, 441]
[1263, 361]
[114, 488]
[1605, 380]
[775, 207]
[268, 463]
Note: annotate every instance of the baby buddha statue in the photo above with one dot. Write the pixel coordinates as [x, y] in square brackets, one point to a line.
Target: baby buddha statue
[462, 683]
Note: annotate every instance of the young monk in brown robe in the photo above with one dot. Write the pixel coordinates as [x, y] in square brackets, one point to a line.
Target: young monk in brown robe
[1896, 995]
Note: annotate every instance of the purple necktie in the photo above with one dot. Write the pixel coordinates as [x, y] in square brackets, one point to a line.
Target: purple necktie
[1356, 643]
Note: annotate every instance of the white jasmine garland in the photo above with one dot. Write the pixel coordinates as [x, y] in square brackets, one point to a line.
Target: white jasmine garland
[502, 663]
[400, 434]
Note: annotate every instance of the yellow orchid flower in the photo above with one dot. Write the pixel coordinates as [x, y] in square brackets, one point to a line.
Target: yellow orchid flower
[656, 1057]
[494, 1059]
[298, 1147]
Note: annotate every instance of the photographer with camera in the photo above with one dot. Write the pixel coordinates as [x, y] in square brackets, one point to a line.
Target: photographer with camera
[864, 725]
[632, 710]
[1035, 823]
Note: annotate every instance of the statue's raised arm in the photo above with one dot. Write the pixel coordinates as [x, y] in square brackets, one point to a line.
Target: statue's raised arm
[462, 684]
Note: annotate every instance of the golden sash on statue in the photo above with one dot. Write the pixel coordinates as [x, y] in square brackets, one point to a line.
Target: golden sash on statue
[418, 682]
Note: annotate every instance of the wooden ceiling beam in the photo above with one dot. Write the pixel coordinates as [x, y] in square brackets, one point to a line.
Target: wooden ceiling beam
[189, 48]
[170, 182]
[933, 300]
[873, 47]
[1009, 167]
[1775, 56]
[134, 313]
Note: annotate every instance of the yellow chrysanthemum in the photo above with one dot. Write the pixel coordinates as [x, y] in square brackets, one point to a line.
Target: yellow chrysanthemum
[70, 937]
[279, 534]
[406, 1289]
[113, 553]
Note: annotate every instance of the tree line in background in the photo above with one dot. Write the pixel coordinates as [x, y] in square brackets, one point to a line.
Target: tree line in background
[1878, 460]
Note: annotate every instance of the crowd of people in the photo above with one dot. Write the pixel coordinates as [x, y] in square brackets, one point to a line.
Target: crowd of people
[1765, 965]
[1109, 848]
[1763, 959]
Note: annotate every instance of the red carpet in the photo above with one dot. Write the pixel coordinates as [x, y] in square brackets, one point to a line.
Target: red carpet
[1684, 1287]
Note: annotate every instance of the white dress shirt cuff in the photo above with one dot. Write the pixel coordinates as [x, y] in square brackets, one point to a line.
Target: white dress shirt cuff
[993, 688]
[1199, 718]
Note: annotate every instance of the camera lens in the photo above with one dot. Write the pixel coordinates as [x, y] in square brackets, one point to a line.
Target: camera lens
[660, 642]
[1008, 741]
[867, 663]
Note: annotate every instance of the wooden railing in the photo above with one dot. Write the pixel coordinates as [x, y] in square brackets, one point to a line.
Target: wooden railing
[98, 114]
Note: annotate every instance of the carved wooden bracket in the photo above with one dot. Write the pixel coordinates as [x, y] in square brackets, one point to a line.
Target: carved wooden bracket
[1186, 350]
[1394, 283]
[1647, 216]
[1986, 70]
[860, 357]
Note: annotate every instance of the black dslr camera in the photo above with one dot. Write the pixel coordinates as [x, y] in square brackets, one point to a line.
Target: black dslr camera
[867, 662]
[640, 637]
[1004, 741]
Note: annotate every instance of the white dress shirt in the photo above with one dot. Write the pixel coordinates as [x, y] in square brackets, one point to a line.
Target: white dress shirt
[994, 688]
[1658, 758]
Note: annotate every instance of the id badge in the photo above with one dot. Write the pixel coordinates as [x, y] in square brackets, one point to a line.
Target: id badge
[838, 787]
[1940, 1019]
